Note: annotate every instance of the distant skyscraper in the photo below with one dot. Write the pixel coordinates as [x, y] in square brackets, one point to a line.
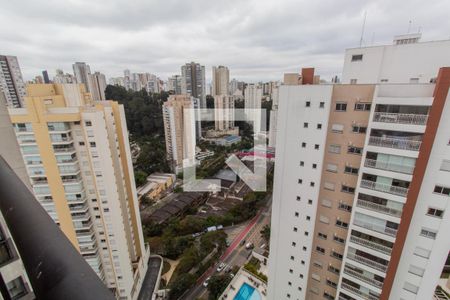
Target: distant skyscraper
[78, 161]
[82, 71]
[180, 130]
[45, 76]
[220, 80]
[253, 98]
[224, 112]
[97, 85]
[174, 84]
[273, 119]
[193, 83]
[11, 81]
[62, 78]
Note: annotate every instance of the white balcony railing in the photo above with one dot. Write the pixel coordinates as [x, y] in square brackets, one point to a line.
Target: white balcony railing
[413, 119]
[379, 208]
[375, 227]
[403, 144]
[386, 188]
[362, 277]
[367, 262]
[358, 292]
[388, 166]
[370, 244]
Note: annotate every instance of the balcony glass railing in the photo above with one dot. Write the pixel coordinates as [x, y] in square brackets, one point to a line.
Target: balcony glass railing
[386, 188]
[413, 119]
[396, 143]
[370, 244]
[376, 227]
[378, 208]
[367, 262]
[63, 149]
[358, 292]
[388, 166]
[362, 277]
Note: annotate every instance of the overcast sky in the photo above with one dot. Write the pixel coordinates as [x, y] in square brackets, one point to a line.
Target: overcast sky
[256, 39]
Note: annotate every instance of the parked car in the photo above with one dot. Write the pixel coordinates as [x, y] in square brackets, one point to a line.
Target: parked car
[205, 284]
[249, 246]
[221, 267]
[242, 242]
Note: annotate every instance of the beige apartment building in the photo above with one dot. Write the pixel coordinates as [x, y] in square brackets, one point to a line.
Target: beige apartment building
[78, 160]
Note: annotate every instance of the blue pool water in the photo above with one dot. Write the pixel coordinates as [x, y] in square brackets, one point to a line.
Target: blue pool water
[247, 292]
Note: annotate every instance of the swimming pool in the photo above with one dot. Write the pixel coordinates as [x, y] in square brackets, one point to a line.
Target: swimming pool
[247, 292]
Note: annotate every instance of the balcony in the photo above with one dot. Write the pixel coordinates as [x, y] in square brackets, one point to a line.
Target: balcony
[378, 208]
[381, 187]
[377, 228]
[367, 262]
[370, 244]
[395, 143]
[59, 139]
[361, 277]
[63, 149]
[413, 119]
[358, 292]
[388, 166]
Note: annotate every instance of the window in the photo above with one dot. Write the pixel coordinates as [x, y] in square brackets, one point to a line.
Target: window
[303, 145]
[294, 244]
[92, 144]
[326, 203]
[333, 269]
[435, 212]
[323, 236]
[384, 80]
[296, 214]
[298, 198]
[341, 223]
[416, 270]
[305, 125]
[341, 106]
[329, 186]
[333, 285]
[359, 129]
[322, 104]
[337, 128]
[88, 123]
[292, 258]
[428, 233]
[442, 190]
[317, 264]
[291, 271]
[289, 283]
[324, 219]
[332, 168]
[316, 146]
[308, 103]
[411, 287]
[419, 251]
[295, 229]
[414, 80]
[319, 126]
[302, 163]
[309, 201]
[288, 295]
[357, 57]
[301, 276]
[76, 123]
[336, 255]
[315, 277]
[346, 207]
[302, 262]
[311, 183]
[347, 189]
[351, 170]
[338, 239]
[81, 143]
[314, 166]
[306, 233]
[354, 150]
[300, 181]
[320, 250]
[353, 81]
[308, 218]
[334, 149]
[304, 248]
[362, 106]
[16, 288]
[445, 166]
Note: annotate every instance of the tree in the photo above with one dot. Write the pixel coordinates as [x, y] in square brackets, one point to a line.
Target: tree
[140, 177]
[265, 233]
[180, 285]
[217, 285]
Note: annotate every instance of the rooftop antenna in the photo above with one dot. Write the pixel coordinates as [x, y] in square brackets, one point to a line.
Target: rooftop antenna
[409, 25]
[362, 30]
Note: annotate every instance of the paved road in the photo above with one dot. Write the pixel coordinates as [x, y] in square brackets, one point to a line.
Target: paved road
[236, 254]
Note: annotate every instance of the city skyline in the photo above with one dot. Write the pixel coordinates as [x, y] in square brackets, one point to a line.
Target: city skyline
[257, 42]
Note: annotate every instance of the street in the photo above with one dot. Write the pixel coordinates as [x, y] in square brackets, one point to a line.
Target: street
[236, 254]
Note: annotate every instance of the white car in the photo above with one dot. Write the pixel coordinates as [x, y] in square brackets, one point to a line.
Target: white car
[205, 284]
[221, 267]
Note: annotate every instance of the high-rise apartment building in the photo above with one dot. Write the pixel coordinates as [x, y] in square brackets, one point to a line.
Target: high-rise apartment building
[97, 86]
[45, 76]
[360, 192]
[174, 84]
[78, 160]
[273, 119]
[220, 80]
[11, 81]
[193, 83]
[12, 270]
[81, 71]
[62, 78]
[180, 130]
[252, 105]
[224, 112]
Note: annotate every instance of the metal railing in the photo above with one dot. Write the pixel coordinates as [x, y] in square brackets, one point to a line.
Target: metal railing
[370, 244]
[376, 227]
[367, 262]
[63, 150]
[358, 292]
[414, 119]
[381, 187]
[376, 164]
[378, 208]
[361, 277]
[403, 144]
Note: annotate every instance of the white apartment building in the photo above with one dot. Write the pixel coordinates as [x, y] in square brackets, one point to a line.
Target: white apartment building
[253, 98]
[193, 82]
[81, 71]
[78, 161]
[62, 78]
[224, 112]
[273, 118]
[11, 81]
[220, 81]
[407, 60]
[97, 86]
[174, 84]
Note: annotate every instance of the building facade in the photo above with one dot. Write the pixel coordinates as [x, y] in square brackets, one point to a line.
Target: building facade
[220, 81]
[97, 86]
[174, 84]
[252, 106]
[79, 164]
[180, 130]
[11, 81]
[193, 82]
[81, 71]
[223, 112]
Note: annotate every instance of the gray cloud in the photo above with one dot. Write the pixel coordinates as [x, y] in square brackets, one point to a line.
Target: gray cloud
[258, 40]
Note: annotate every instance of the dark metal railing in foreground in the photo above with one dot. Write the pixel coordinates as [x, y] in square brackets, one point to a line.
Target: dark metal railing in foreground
[55, 268]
